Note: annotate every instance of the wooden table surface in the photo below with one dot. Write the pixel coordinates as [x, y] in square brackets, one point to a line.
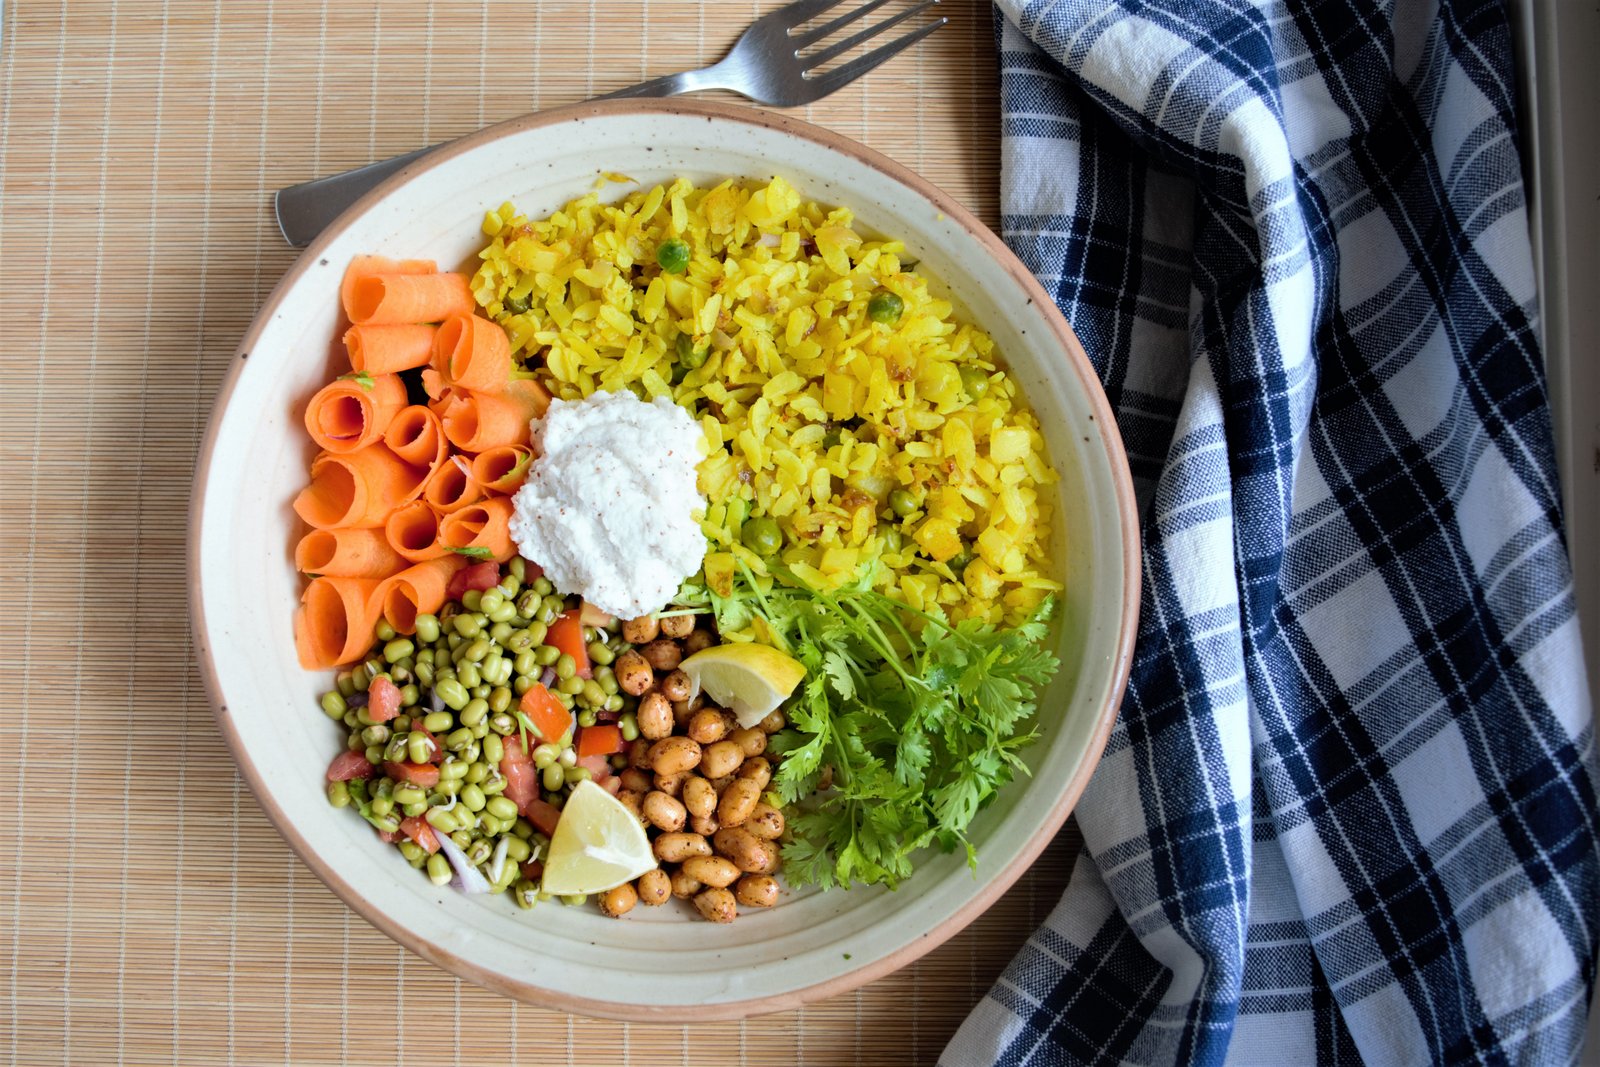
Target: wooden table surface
[148, 912]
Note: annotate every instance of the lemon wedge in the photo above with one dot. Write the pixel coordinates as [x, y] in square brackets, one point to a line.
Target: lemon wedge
[598, 845]
[748, 679]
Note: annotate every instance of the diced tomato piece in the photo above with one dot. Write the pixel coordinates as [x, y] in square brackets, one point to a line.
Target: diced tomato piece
[533, 572]
[480, 576]
[417, 829]
[425, 775]
[388, 837]
[522, 780]
[543, 815]
[383, 699]
[599, 767]
[533, 870]
[348, 765]
[566, 634]
[612, 784]
[548, 715]
[602, 739]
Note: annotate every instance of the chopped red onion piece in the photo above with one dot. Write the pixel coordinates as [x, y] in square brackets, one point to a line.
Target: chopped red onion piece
[467, 879]
[497, 865]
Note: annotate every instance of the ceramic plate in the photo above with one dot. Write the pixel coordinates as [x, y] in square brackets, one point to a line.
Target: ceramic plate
[659, 963]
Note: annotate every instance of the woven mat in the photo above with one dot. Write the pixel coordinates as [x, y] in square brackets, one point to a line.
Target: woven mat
[149, 913]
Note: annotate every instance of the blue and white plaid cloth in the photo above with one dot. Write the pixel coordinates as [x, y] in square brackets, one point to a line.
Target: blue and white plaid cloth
[1348, 813]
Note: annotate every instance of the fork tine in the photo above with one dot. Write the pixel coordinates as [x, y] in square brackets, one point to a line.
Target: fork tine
[836, 79]
[834, 51]
[800, 11]
[810, 38]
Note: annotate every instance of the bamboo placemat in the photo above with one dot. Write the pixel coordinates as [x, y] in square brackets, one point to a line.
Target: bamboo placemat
[150, 914]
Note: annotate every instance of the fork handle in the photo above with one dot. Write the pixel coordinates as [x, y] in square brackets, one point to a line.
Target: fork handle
[305, 210]
[688, 81]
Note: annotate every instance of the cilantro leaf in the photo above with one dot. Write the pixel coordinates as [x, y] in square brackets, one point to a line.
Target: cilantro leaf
[474, 552]
[361, 378]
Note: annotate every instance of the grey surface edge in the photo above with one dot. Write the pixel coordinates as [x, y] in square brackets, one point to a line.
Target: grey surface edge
[1559, 81]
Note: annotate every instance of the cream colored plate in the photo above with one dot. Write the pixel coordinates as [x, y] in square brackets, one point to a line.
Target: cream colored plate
[659, 961]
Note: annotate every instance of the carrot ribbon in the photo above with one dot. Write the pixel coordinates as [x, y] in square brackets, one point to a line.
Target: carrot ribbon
[485, 525]
[388, 349]
[335, 621]
[417, 590]
[357, 490]
[413, 532]
[416, 437]
[503, 468]
[451, 487]
[347, 553]
[365, 266]
[353, 412]
[397, 299]
[471, 352]
[476, 421]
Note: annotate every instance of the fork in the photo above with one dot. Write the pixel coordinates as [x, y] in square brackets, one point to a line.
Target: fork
[764, 65]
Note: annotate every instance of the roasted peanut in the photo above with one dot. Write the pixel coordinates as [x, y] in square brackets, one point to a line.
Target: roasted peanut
[675, 848]
[704, 825]
[698, 796]
[751, 741]
[632, 799]
[677, 626]
[758, 769]
[619, 901]
[635, 779]
[712, 870]
[683, 887]
[634, 674]
[717, 905]
[655, 716]
[641, 630]
[655, 887]
[682, 713]
[675, 686]
[707, 726]
[747, 851]
[663, 811]
[720, 785]
[639, 754]
[768, 860]
[756, 890]
[671, 784]
[765, 821]
[774, 722]
[663, 654]
[698, 641]
[719, 759]
[736, 803]
[670, 755]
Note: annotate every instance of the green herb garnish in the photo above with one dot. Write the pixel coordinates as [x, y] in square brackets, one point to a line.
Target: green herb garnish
[474, 552]
[361, 378]
[912, 722]
[524, 724]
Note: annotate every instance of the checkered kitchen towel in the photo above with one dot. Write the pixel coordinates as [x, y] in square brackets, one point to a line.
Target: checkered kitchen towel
[1348, 813]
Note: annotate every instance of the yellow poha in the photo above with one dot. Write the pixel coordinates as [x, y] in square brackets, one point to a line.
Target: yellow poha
[813, 412]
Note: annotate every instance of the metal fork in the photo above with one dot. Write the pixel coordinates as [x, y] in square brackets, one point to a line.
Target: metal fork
[764, 65]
